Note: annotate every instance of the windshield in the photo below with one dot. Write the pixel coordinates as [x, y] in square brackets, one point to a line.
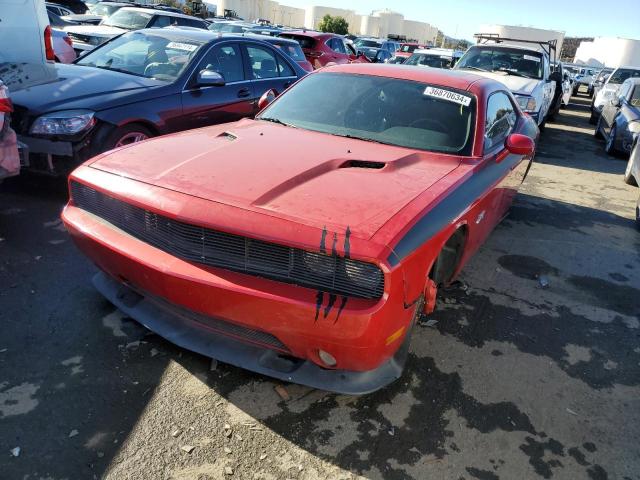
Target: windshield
[103, 9]
[379, 109]
[217, 26]
[621, 74]
[128, 19]
[305, 42]
[426, 60]
[367, 43]
[150, 55]
[293, 50]
[511, 61]
[408, 48]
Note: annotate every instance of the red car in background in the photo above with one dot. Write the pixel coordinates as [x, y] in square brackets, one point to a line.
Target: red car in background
[406, 49]
[322, 49]
[305, 244]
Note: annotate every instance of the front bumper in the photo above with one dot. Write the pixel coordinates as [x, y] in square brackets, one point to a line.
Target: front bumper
[364, 336]
[185, 331]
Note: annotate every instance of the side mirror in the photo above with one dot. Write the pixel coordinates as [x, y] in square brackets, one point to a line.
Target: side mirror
[555, 77]
[520, 144]
[266, 98]
[210, 78]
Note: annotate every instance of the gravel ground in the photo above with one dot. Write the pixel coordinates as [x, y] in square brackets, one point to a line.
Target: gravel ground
[516, 380]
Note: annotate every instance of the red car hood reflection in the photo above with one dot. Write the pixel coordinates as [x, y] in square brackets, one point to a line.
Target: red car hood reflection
[312, 178]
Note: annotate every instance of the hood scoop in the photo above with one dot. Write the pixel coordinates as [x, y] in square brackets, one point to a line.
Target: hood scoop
[363, 164]
[229, 136]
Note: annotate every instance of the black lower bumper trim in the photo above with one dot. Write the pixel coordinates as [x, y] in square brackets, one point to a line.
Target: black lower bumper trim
[244, 355]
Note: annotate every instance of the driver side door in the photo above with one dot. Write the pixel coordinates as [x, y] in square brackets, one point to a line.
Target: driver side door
[209, 105]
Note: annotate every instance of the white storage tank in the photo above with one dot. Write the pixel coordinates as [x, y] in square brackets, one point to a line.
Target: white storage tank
[609, 52]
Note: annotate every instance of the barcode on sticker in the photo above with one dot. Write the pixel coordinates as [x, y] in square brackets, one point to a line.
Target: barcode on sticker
[447, 95]
[182, 46]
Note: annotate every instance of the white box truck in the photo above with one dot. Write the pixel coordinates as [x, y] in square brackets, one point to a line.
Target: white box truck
[25, 33]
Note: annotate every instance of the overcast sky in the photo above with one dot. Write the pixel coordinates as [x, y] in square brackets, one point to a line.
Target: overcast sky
[586, 18]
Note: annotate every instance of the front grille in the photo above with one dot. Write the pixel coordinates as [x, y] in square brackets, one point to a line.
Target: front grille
[327, 273]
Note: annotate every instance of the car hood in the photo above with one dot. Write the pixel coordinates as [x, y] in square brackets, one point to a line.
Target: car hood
[61, 87]
[521, 85]
[102, 31]
[311, 178]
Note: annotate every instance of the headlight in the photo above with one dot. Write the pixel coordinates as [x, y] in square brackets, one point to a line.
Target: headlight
[527, 104]
[319, 263]
[634, 127]
[63, 123]
[363, 274]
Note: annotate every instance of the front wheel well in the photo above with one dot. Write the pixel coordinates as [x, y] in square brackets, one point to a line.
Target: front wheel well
[448, 260]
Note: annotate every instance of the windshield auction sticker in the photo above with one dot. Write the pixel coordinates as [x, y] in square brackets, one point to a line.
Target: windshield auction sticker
[447, 95]
[182, 46]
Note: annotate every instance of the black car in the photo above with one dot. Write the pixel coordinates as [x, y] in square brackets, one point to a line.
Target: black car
[76, 6]
[142, 84]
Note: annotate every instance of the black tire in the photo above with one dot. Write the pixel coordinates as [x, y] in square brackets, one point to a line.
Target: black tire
[629, 179]
[597, 133]
[126, 135]
[593, 119]
[543, 125]
[638, 215]
[610, 144]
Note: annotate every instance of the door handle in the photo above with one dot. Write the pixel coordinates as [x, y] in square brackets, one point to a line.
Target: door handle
[244, 92]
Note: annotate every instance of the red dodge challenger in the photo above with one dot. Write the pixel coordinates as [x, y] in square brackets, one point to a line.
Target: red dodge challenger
[305, 244]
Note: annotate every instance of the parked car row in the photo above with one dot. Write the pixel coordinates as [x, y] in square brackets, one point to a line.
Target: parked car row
[608, 90]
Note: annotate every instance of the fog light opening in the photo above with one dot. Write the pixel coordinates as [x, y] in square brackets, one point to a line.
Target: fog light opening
[327, 358]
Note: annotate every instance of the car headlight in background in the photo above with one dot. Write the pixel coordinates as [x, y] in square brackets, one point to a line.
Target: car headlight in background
[63, 123]
[527, 104]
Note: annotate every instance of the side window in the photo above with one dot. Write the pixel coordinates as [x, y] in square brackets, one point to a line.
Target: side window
[161, 21]
[283, 68]
[349, 48]
[263, 63]
[501, 118]
[188, 22]
[226, 60]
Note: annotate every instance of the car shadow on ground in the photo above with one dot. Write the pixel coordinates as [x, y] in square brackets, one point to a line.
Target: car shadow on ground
[75, 377]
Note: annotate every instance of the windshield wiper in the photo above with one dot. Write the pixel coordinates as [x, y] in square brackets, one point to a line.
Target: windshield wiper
[513, 72]
[475, 68]
[364, 139]
[119, 70]
[276, 120]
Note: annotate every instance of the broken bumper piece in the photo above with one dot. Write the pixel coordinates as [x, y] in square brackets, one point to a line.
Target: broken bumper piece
[187, 333]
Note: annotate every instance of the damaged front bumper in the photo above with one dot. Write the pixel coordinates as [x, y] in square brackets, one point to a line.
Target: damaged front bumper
[215, 340]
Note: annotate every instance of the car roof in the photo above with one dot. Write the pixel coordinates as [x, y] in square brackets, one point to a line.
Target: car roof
[461, 80]
[511, 46]
[265, 38]
[624, 67]
[310, 33]
[166, 13]
[635, 80]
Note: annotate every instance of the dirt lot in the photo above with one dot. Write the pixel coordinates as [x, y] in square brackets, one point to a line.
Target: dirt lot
[514, 381]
